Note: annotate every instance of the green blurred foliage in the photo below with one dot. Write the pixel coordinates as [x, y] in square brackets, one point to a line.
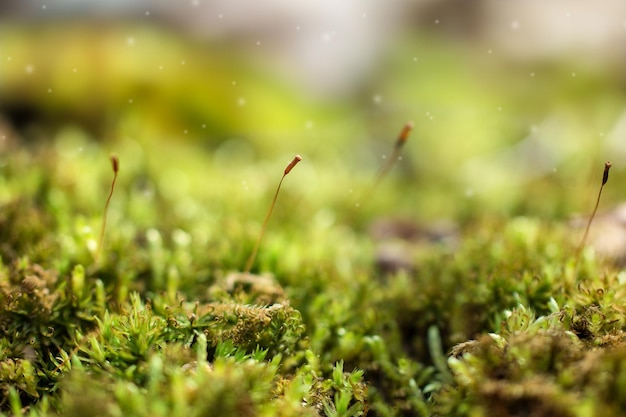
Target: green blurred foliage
[473, 109]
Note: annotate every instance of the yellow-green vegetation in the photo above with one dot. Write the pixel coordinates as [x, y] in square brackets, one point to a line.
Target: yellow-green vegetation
[164, 324]
[498, 316]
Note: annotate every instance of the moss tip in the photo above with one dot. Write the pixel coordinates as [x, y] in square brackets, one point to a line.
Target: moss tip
[292, 164]
[605, 176]
[404, 134]
[115, 162]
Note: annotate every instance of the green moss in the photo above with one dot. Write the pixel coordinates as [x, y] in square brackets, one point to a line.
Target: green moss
[497, 320]
[160, 328]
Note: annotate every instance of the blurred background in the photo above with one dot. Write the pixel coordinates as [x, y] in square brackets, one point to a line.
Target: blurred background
[516, 105]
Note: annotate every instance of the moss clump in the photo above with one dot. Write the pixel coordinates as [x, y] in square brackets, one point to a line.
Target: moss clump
[501, 321]
[536, 366]
[41, 320]
[25, 231]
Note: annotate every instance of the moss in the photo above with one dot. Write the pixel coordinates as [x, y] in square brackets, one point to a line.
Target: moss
[25, 231]
[501, 321]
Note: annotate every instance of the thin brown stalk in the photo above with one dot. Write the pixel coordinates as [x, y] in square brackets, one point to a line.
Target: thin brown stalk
[583, 242]
[252, 257]
[116, 166]
[395, 155]
[391, 161]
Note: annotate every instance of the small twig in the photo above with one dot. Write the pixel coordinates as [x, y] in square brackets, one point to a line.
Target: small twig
[605, 178]
[116, 166]
[288, 169]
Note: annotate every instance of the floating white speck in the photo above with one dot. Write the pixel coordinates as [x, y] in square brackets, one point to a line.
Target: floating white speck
[130, 100]
[29, 69]
[203, 126]
[241, 101]
[309, 124]
[182, 62]
[377, 99]
[130, 41]
[43, 6]
[515, 25]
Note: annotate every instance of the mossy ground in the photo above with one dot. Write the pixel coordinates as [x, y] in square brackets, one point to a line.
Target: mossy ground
[492, 316]
[498, 319]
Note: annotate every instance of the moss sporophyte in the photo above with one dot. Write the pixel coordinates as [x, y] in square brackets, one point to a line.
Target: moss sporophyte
[287, 170]
[581, 246]
[115, 164]
[259, 289]
[390, 161]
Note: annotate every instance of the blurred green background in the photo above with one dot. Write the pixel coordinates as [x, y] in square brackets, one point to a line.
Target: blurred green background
[516, 106]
